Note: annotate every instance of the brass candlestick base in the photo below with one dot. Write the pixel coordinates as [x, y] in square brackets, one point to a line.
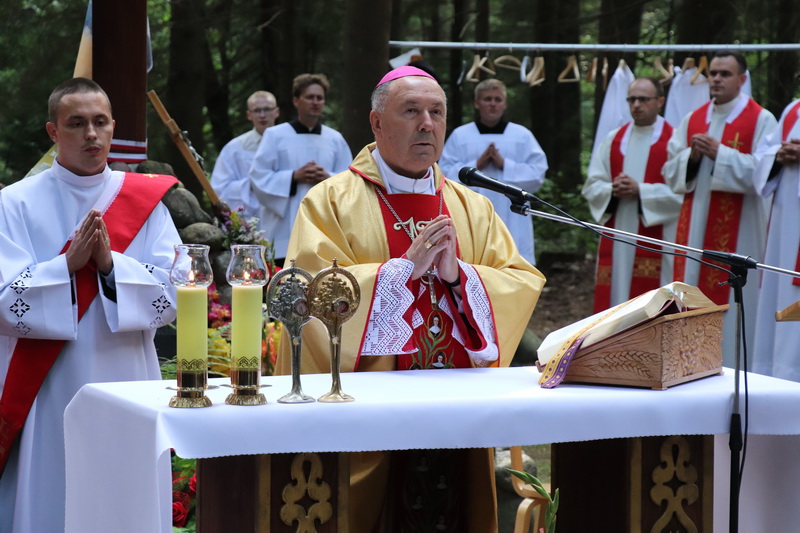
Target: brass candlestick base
[335, 396]
[245, 383]
[334, 294]
[191, 387]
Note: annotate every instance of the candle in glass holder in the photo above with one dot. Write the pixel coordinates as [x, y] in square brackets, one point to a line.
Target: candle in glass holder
[192, 338]
[247, 275]
[246, 320]
[191, 275]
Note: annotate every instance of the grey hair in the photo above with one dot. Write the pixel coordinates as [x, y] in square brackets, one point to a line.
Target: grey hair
[381, 94]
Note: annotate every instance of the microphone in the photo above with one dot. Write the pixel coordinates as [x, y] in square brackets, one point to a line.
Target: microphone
[475, 178]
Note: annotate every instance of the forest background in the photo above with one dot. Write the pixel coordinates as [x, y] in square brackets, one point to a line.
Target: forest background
[209, 55]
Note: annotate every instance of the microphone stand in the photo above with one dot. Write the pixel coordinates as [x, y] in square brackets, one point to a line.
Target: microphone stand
[737, 277]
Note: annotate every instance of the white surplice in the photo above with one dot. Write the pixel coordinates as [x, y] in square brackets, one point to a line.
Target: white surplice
[282, 151]
[774, 349]
[731, 172]
[231, 179]
[615, 111]
[659, 205]
[524, 166]
[684, 97]
[112, 342]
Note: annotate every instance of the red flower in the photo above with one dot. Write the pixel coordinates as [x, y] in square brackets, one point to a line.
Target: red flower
[193, 486]
[180, 508]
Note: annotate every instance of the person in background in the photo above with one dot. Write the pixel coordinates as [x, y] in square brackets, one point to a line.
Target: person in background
[777, 174]
[504, 150]
[292, 158]
[231, 175]
[626, 191]
[711, 162]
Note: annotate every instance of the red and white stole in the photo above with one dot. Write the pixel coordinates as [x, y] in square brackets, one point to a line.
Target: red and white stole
[725, 208]
[646, 265]
[432, 344]
[788, 125]
[33, 358]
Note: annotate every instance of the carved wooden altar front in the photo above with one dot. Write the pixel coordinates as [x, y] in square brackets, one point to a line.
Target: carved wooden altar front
[639, 485]
[279, 493]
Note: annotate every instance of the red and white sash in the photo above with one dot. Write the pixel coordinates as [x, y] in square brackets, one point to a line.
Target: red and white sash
[725, 208]
[33, 358]
[646, 265]
[788, 125]
[406, 324]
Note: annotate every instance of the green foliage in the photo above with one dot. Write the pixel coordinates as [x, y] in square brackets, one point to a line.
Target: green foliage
[552, 236]
[552, 502]
[39, 40]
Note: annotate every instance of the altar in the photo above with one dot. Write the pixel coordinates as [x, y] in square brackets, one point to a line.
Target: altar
[119, 435]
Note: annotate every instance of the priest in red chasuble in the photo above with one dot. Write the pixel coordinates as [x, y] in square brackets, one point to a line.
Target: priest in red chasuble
[443, 286]
[711, 162]
[626, 191]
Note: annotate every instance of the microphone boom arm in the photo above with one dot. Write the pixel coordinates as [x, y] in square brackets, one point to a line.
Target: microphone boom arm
[523, 209]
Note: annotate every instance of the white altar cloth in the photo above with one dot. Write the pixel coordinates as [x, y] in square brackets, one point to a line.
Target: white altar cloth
[118, 435]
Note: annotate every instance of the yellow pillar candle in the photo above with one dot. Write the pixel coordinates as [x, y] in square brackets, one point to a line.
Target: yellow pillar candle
[246, 322]
[192, 341]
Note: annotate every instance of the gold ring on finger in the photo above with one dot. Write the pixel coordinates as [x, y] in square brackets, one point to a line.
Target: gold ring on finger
[428, 245]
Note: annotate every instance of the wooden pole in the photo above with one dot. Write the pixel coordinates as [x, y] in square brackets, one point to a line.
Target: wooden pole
[183, 146]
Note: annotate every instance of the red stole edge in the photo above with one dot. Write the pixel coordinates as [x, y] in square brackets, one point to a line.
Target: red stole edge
[639, 283]
[724, 207]
[33, 358]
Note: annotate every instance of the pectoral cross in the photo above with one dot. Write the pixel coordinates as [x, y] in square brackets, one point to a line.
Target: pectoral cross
[410, 226]
[735, 143]
[428, 280]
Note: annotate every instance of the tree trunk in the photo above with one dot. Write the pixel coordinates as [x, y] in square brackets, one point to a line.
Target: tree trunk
[555, 107]
[620, 22]
[186, 73]
[218, 83]
[366, 58]
[706, 21]
[782, 66]
[455, 99]
[283, 50]
[271, 19]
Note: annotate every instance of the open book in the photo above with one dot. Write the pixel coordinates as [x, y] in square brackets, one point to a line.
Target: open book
[675, 297]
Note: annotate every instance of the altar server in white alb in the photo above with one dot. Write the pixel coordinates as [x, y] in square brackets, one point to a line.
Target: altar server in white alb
[231, 176]
[84, 283]
[626, 191]
[292, 158]
[711, 162]
[504, 150]
[778, 174]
